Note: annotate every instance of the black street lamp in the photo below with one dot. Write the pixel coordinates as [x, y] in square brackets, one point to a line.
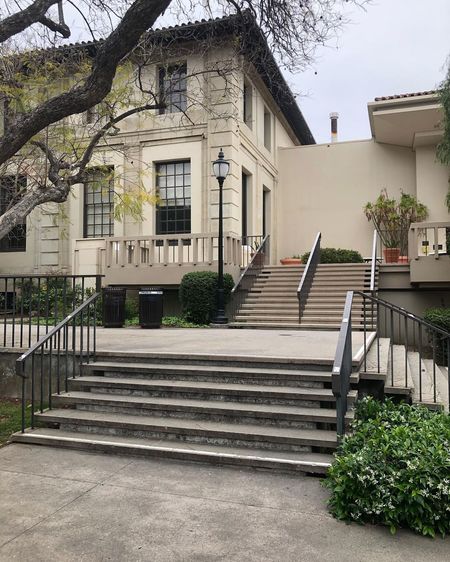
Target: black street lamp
[220, 168]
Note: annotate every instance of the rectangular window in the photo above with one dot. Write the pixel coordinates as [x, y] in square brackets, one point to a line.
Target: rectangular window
[244, 208]
[99, 203]
[267, 129]
[173, 183]
[172, 88]
[248, 103]
[11, 190]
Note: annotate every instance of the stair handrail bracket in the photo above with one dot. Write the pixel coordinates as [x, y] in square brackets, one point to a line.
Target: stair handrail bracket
[249, 276]
[61, 346]
[308, 275]
[343, 365]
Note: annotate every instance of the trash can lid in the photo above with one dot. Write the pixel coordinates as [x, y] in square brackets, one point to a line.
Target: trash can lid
[151, 291]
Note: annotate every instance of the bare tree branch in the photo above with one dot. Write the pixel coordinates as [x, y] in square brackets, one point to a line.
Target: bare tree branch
[18, 22]
[138, 18]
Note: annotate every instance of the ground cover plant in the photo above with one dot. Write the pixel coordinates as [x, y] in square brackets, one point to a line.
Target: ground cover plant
[11, 418]
[394, 469]
[336, 255]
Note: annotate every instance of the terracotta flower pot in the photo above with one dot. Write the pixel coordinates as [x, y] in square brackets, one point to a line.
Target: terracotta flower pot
[403, 259]
[291, 261]
[391, 255]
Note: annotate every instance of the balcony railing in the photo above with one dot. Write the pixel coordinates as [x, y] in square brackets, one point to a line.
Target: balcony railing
[170, 250]
[429, 252]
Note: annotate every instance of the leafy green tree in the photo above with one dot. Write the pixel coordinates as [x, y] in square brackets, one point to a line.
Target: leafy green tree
[443, 148]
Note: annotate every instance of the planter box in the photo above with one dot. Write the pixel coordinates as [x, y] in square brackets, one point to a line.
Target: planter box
[291, 261]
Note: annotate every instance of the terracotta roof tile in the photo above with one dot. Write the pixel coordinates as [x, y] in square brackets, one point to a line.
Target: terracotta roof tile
[411, 95]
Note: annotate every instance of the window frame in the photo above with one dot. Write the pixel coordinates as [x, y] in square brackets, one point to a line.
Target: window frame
[163, 73]
[19, 232]
[267, 129]
[109, 225]
[247, 98]
[176, 214]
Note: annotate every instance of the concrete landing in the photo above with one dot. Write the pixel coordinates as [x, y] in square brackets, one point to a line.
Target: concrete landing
[293, 344]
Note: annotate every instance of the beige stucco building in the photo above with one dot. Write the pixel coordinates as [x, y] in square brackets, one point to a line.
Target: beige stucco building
[280, 184]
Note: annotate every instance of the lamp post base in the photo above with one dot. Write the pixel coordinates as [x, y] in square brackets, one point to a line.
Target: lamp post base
[219, 320]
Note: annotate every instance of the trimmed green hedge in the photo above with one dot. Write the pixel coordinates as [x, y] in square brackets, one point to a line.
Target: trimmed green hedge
[336, 255]
[394, 469]
[198, 295]
[439, 317]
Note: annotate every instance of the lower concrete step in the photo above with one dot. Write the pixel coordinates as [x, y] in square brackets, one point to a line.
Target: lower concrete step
[250, 393]
[189, 408]
[307, 462]
[298, 375]
[191, 431]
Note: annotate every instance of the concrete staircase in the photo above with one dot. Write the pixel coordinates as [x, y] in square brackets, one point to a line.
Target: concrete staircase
[242, 411]
[272, 302]
[406, 376]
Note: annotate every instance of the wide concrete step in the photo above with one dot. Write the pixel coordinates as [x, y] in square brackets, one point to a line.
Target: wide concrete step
[267, 317]
[343, 273]
[295, 376]
[356, 284]
[344, 266]
[180, 429]
[439, 376]
[258, 298]
[270, 325]
[279, 306]
[190, 408]
[292, 461]
[204, 390]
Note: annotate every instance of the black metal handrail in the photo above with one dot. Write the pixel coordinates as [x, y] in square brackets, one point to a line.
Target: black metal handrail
[373, 265]
[343, 365]
[249, 276]
[66, 347]
[308, 276]
[401, 327]
[31, 304]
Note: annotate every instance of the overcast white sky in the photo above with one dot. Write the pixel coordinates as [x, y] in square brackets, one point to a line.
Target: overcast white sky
[396, 46]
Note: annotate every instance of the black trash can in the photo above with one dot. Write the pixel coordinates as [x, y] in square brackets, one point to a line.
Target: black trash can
[150, 307]
[113, 309]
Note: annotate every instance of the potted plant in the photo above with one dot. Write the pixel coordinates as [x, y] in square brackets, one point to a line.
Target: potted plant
[392, 220]
[294, 260]
[257, 255]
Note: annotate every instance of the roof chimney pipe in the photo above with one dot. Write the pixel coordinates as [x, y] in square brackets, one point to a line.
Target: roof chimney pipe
[334, 129]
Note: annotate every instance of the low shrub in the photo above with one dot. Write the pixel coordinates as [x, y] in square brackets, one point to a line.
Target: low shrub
[178, 322]
[394, 469]
[336, 255]
[439, 317]
[198, 294]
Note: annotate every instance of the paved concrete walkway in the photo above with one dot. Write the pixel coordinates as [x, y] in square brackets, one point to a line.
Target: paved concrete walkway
[217, 341]
[295, 344]
[59, 505]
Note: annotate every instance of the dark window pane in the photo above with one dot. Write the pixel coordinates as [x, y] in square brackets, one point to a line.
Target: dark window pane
[172, 88]
[99, 203]
[11, 191]
[173, 214]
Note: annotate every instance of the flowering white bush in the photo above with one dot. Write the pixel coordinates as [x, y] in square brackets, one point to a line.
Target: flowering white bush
[394, 469]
